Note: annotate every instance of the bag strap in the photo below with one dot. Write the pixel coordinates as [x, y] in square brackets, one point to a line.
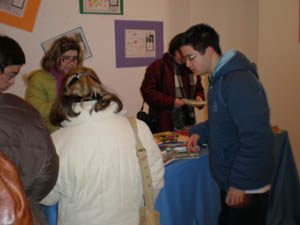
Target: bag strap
[142, 108]
[144, 165]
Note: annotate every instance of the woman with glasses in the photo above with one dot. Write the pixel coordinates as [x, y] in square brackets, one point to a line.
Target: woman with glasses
[44, 84]
[99, 176]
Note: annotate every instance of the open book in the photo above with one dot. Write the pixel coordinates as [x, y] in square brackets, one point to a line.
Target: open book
[193, 102]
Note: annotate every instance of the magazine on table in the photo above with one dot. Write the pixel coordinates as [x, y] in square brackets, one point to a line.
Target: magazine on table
[193, 102]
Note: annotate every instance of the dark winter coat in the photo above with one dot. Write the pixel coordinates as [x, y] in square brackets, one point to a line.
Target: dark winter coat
[238, 130]
[25, 139]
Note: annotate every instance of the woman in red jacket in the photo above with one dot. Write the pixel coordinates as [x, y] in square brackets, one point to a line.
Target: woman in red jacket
[166, 82]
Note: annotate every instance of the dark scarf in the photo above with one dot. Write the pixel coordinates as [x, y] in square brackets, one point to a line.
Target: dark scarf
[185, 115]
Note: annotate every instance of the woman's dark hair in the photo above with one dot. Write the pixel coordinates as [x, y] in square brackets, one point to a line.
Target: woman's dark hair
[51, 59]
[175, 43]
[79, 85]
[11, 53]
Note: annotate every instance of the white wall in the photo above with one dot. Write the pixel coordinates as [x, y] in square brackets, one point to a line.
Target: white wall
[278, 60]
[236, 21]
[56, 17]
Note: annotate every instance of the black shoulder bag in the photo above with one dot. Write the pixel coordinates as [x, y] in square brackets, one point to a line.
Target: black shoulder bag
[148, 119]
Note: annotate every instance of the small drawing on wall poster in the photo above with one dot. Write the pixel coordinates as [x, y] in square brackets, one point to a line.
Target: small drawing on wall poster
[101, 6]
[150, 42]
[19, 13]
[13, 7]
[139, 43]
[77, 34]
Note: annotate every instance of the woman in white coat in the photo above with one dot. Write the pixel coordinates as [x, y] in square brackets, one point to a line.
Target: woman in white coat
[99, 178]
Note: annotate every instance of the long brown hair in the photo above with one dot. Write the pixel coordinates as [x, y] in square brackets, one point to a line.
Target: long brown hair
[51, 59]
[79, 85]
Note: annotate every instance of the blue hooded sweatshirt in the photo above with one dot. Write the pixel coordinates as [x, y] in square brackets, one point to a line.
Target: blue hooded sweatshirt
[238, 131]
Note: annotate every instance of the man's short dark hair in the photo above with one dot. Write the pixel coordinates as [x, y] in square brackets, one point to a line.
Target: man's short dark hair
[11, 53]
[175, 43]
[201, 36]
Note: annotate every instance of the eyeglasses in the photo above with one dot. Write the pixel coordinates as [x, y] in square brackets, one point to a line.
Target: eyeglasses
[8, 76]
[190, 57]
[69, 59]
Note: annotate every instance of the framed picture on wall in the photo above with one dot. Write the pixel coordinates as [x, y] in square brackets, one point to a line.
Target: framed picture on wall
[77, 34]
[19, 13]
[138, 43]
[101, 6]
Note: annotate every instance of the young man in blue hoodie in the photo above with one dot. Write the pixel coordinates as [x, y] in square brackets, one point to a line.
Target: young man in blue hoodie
[238, 131]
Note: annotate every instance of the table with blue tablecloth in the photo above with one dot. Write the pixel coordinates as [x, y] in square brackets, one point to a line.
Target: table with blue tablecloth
[190, 195]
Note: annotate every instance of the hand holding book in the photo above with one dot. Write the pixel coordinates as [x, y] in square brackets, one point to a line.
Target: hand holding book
[193, 102]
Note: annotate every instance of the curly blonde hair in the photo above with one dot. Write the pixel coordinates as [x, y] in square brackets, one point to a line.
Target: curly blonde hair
[79, 85]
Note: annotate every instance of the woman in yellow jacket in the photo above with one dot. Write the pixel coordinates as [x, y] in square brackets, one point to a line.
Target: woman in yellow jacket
[43, 85]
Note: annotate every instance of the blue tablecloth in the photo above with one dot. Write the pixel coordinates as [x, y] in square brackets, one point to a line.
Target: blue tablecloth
[284, 203]
[51, 214]
[190, 195]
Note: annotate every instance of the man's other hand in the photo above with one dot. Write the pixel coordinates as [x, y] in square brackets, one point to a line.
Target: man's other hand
[192, 143]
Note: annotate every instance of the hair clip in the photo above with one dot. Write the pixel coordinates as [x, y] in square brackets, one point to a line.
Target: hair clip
[76, 78]
[81, 74]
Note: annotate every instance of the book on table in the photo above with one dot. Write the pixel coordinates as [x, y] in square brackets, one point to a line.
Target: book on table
[186, 155]
[174, 150]
[193, 102]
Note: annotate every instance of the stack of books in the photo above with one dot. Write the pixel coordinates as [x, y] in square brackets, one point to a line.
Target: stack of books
[173, 146]
[168, 157]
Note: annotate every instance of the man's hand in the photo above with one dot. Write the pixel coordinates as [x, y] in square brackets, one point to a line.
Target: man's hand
[236, 198]
[199, 98]
[192, 143]
[178, 103]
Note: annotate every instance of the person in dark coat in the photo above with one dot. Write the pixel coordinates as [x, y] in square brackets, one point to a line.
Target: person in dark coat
[167, 81]
[24, 137]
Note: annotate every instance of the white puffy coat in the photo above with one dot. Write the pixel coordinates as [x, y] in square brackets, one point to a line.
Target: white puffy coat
[99, 176]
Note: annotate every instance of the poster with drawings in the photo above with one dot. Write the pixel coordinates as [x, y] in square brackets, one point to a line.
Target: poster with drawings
[19, 13]
[139, 43]
[77, 34]
[101, 6]
[13, 7]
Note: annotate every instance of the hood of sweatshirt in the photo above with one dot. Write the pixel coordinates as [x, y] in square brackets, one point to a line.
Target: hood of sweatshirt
[232, 61]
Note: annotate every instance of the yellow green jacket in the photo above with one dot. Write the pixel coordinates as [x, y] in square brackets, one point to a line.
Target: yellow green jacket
[41, 93]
